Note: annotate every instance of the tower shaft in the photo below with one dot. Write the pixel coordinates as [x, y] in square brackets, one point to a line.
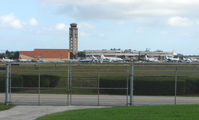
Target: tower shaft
[73, 39]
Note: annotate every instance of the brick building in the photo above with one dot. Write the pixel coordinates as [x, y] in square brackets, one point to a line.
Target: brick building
[46, 54]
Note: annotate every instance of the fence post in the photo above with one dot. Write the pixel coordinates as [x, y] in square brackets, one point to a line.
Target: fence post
[127, 85]
[7, 84]
[10, 83]
[131, 83]
[98, 88]
[176, 80]
[68, 85]
[39, 85]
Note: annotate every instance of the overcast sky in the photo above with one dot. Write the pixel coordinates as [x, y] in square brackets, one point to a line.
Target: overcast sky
[103, 24]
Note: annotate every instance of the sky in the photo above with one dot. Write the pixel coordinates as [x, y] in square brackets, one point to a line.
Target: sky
[103, 24]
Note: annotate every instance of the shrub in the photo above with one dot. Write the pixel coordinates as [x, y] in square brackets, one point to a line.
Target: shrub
[30, 81]
[149, 85]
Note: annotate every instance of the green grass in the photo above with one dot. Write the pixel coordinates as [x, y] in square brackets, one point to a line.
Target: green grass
[170, 112]
[4, 107]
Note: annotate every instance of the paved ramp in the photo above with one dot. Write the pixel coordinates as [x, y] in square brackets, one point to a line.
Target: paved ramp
[33, 112]
[92, 100]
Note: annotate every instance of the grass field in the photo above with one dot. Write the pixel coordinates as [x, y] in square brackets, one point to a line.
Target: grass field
[4, 107]
[171, 112]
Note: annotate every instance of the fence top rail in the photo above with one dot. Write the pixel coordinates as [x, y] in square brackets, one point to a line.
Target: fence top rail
[61, 88]
[166, 67]
[122, 63]
[74, 66]
[98, 64]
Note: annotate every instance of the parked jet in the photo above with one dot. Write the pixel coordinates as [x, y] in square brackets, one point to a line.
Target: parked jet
[194, 60]
[73, 60]
[151, 59]
[41, 61]
[110, 59]
[25, 60]
[94, 59]
[171, 59]
[57, 61]
[189, 60]
[7, 60]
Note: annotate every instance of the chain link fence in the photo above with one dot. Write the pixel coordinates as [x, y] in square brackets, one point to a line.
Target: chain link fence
[2, 82]
[166, 84]
[101, 84]
[61, 84]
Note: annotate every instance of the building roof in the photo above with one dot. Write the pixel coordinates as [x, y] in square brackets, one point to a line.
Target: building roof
[46, 53]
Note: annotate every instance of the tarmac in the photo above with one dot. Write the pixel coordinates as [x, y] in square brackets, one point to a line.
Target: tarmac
[33, 112]
[94, 100]
[32, 106]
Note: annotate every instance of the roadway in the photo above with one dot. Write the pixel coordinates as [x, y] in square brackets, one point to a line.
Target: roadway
[93, 100]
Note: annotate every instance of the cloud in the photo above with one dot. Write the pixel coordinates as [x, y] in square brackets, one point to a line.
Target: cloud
[33, 22]
[197, 22]
[12, 21]
[60, 26]
[123, 9]
[139, 30]
[164, 33]
[84, 34]
[101, 35]
[179, 21]
[57, 29]
[120, 22]
[42, 30]
[86, 26]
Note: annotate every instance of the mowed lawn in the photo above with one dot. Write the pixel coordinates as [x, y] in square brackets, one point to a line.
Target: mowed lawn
[170, 112]
[4, 107]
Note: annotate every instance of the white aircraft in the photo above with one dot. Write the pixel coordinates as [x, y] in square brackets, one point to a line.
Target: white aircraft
[110, 59]
[189, 60]
[25, 60]
[73, 60]
[41, 61]
[7, 60]
[94, 59]
[194, 60]
[150, 59]
[57, 61]
[171, 59]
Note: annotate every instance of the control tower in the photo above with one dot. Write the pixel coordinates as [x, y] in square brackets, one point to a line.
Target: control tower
[73, 39]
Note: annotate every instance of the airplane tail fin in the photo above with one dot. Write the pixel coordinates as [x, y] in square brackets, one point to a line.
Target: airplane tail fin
[93, 57]
[146, 57]
[102, 56]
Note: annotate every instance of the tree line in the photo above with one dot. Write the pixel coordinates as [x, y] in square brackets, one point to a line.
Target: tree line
[10, 55]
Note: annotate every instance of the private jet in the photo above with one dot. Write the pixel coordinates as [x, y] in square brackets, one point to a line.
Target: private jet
[151, 59]
[25, 60]
[7, 60]
[110, 59]
[94, 59]
[171, 59]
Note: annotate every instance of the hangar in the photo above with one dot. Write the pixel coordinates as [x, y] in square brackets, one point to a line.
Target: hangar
[46, 54]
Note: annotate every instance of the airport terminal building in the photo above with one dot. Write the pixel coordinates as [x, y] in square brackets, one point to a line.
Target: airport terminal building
[129, 53]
